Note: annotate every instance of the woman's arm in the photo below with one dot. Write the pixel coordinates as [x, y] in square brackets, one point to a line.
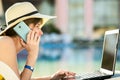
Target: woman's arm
[58, 76]
[43, 78]
[32, 47]
[26, 74]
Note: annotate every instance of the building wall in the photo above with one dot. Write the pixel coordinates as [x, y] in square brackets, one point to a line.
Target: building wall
[85, 15]
[78, 18]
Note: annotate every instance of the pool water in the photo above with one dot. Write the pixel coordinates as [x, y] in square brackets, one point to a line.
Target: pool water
[76, 59]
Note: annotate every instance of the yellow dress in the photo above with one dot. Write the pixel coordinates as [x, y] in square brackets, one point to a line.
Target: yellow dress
[6, 73]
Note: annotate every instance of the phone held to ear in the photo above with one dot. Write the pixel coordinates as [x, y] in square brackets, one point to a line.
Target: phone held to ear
[22, 30]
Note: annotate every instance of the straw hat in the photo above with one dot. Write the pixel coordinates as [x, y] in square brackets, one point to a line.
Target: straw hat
[22, 11]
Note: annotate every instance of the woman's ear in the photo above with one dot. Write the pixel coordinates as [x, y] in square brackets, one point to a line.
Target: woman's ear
[31, 26]
[19, 39]
[22, 43]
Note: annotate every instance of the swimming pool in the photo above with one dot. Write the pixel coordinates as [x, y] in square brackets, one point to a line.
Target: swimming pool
[77, 59]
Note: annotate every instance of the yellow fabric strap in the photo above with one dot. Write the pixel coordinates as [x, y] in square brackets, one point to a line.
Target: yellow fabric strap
[1, 77]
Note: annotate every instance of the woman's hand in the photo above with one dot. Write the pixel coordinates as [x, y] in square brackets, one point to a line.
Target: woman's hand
[32, 44]
[62, 75]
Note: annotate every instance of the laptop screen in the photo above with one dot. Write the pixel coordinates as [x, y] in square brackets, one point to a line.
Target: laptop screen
[109, 51]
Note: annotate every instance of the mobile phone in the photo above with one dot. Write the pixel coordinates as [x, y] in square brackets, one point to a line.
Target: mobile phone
[22, 30]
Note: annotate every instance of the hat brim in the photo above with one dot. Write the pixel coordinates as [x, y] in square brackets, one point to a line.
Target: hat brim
[44, 18]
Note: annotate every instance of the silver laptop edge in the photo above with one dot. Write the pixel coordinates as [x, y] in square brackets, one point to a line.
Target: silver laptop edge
[110, 72]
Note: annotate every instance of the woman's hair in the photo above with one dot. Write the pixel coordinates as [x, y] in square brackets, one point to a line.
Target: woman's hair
[10, 32]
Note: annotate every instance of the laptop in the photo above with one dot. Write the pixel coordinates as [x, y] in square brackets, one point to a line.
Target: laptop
[108, 61]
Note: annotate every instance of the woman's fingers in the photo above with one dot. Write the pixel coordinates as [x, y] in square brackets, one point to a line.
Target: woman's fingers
[63, 75]
[29, 36]
[37, 37]
[67, 75]
[70, 73]
[33, 36]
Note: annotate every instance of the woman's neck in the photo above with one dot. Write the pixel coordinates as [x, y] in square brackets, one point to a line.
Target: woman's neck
[17, 43]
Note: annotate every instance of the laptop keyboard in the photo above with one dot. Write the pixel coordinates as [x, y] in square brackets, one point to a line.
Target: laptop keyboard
[90, 75]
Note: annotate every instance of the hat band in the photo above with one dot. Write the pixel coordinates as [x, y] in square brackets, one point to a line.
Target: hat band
[22, 16]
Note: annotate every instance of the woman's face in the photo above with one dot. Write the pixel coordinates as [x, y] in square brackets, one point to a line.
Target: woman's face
[35, 27]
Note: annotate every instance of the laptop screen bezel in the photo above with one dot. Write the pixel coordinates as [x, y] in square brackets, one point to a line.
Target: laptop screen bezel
[113, 70]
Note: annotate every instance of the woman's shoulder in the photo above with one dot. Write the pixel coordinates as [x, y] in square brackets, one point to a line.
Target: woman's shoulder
[7, 44]
[8, 55]
[5, 37]
[6, 40]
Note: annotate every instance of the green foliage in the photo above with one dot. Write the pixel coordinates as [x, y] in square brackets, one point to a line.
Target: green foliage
[50, 28]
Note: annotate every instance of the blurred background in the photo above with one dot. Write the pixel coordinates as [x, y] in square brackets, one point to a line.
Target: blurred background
[73, 41]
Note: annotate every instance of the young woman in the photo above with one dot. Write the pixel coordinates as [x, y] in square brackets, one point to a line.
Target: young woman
[11, 44]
